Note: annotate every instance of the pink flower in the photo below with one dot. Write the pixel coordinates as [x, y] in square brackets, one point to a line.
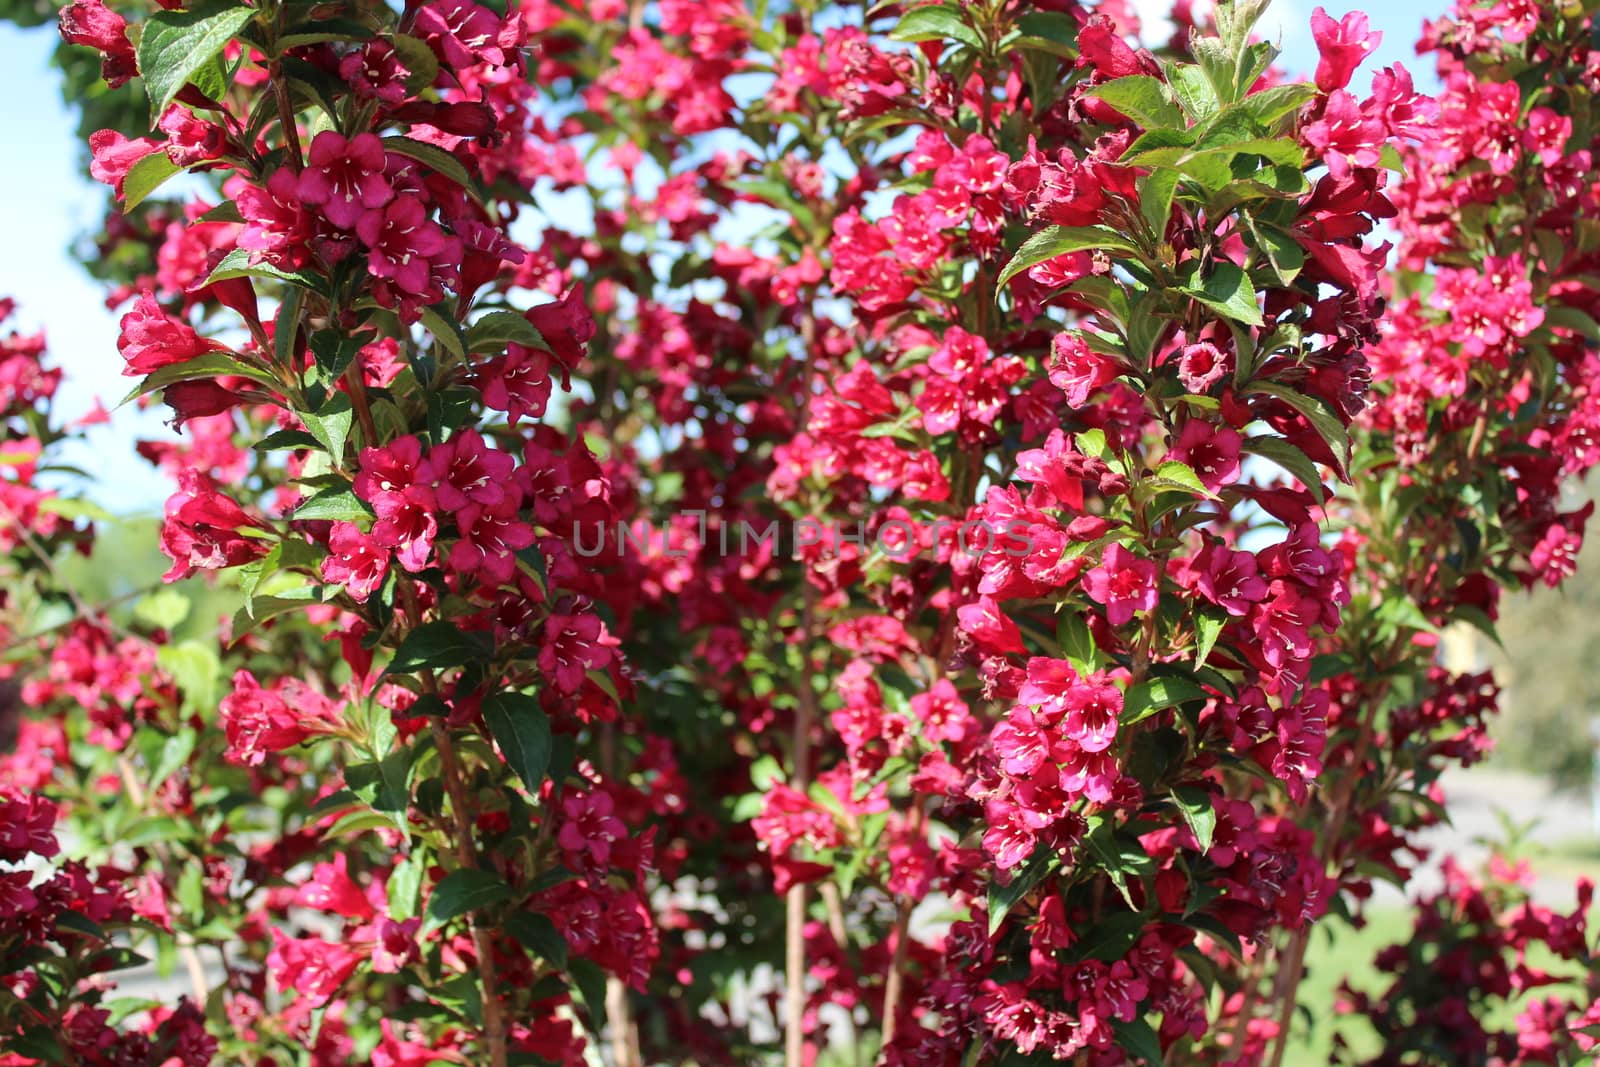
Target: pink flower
[91, 23]
[989, 627]
[589, 826]
[152, 339]
[566, 325]
[1343, 45]
[402, 242]
[345, 177]
[464, 470]
[313, 969]
[1546, 135]
[115, 156]
[1077, 371]
[276, 226]
[376, 72]
[464, 34]
[354, 560]
[202, 529]
[517, 383]
[1123, 583]
[573, 646]
[258, 721]
[1201, 366]
[1211, 451]
[491, 535]
[1229, 579]
[1345, 135]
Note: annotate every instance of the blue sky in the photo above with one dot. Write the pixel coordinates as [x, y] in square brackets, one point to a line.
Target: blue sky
[45, 204]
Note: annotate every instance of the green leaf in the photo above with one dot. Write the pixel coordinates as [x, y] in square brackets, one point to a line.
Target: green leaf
[1324, 421]
[1270, 105]
[1139, 1041]
[1111, 936]
[335, 350]
[331, 425]
[1120, 856]
[1157, 694]
[464, 891]
[163, 609]
[210, 365]
[175, 752]
[287, 327]
[436, 645]
[1193, 90]
[522, 730]
[418, 59]
[446, 331]
[1208, 626]
[498, 328]
[1172, 474]
[1002, 898]
[432, 157]
[1198, 813]
[1072, 634]
[936, 24]
[1143, 99]
[144, 177]
[1228, 292]
[1290, 458]
[176, 45]
[1055, 241]
[281, 440]
[382, 784]
[1283, 252]
[538, 935]
[237, 264]
[334, 504]
[1156, 191]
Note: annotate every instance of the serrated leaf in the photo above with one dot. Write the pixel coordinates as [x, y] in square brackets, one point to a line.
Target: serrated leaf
[1075, 639]
[1325, 422]
[499, 328]
[210, 365]
[1290, 458]
[334, 504]
[464, 891]
[431, 156]
[418, 59]
[1198, 813]
[438, 645]
[522, 730]
[1208, 626]
[1055, 241]
[331, 425]
[1139, 1041]
[936, 23]
[1228, 292]
[538, 935]
[445, 331]
[1002, 898]
[1110, 937]
[1172, 474]
[145, 177]
[237, 264]
[176, 45]
[1141, 98]
[1157, 694]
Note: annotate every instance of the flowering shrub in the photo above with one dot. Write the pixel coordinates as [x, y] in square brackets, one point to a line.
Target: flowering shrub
[944, 505]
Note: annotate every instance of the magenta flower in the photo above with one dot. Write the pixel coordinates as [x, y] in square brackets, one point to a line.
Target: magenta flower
[152, 339]
[401, 239]
[355, 560]
[1342, 45]
[1123, 582]
[1201, 366]
[1211, 451]
[345, 177]
[1077, 371]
